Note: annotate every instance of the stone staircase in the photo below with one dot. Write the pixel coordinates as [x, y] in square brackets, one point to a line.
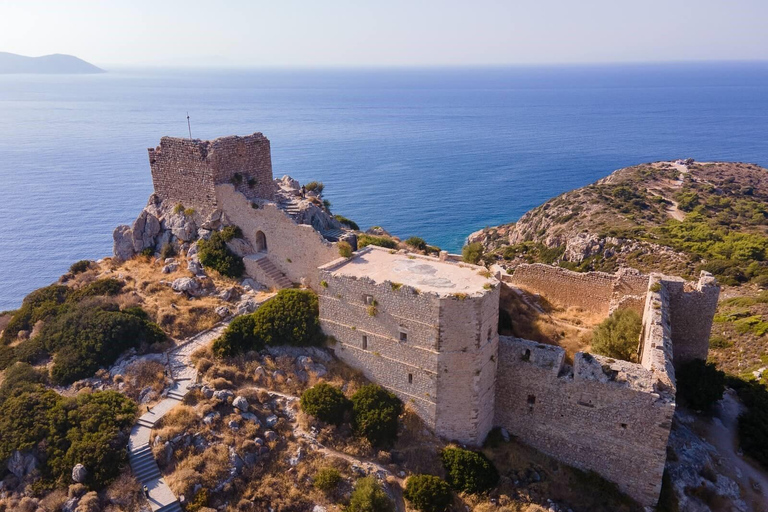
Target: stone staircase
[270, 270]
[333, 235]
[289, 205]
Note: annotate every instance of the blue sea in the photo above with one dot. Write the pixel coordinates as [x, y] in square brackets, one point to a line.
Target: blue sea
[437, 153]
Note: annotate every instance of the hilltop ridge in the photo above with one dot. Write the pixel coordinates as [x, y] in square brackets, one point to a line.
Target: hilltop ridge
[11, 63]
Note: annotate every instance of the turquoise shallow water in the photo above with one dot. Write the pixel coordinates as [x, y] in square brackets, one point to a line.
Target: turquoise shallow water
[437, 153]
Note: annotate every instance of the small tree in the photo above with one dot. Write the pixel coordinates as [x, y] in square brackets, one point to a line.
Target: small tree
[472, 253]
[618, 335]
[700, 385]
[215, 254]
[374, 414]
[428, 493]
[80, 266]
[469, 471]
[368, 496]
[325, 402]
[327, 479]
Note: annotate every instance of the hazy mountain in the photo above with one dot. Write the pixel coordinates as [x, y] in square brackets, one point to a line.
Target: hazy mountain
[47, 64]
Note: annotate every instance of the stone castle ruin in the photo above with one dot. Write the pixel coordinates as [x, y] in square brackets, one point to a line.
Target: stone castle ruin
[426, 328]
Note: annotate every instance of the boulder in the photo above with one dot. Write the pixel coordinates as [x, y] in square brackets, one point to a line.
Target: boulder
[377, 231]
[196, 268]
[171, 267]
[185, 284]
[246, 306]
[209, 418]
[145, 229]
[223, 395]
[272, 420]
[122, 246]
[213, 221]
[181, 226]
[259, 441]
[289, 183]
[223, 311]
[207, 392]
[228, 294]
[233, 425]
[270, 435]
[582, 246]
[240, 403]
[249, 416]
[79, 473]
[240, 247]
[22, 464]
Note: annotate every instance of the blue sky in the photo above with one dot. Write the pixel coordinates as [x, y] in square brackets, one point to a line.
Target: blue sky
[290, 33]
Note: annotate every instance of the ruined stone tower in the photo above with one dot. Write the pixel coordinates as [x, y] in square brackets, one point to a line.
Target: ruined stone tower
[187, 171]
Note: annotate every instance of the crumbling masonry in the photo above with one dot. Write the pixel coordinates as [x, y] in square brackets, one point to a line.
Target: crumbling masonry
[426, 328]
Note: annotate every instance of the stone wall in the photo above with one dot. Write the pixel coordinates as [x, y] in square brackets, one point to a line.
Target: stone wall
[297, 250]
[605, 416]
[467, 366]
[692, 307]
[595, 292]
[187, 171]
[383, 357]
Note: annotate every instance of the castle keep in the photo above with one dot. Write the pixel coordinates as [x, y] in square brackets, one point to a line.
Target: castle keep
[426, 328]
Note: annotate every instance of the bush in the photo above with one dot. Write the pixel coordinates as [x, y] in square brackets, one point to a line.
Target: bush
[80, 266]
[618, 335]
[215, 254]
[19, 378]
[468, 471]
[89, 336]
[89, 429]
[368, 496]
[325, 402]
[38, 305]
[374, 414]
[700, 385]
[347, 222]
[428, 493]
[416, 243]
[327, 479]
[290, 318]
[317, 186]
[381, 241]
[472, 253]
[345, 250]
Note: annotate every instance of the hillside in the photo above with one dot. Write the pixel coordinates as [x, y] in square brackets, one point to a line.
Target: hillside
[11, 63]
[673, 217]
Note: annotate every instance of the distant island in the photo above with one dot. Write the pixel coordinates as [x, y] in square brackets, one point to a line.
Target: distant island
[10, 63]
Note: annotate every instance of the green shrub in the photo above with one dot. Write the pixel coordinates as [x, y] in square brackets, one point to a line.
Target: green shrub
[80, 266]
[428, 493]
[88, 429]
[108, 287]
[290, 318]
[38, 305]
[327, 479]
[325, 402]
[381, 241]
[91, 335]
[700, 384]
[717, 341]
[215, 254]
[199, 502]
[618, 335]
[179, 208]
[347, 222]
[469, 471]
[316, 186]
[416, 243]
[345, 250]
[472, 253]
[19, 378]
[374, 414]
[368, 496]
[230, 232]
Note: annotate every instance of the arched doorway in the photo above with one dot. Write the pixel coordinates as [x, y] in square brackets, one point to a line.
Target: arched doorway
[261, 242]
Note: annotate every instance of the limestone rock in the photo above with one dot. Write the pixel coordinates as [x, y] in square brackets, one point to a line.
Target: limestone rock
[249, 416]
[22, 464]
[185, 284]
[240, 403]
[272, 420]
[223, 311]
[211, 417]
[582, 246]
[122, 246]
[246, 306]
[171, 267]
[270, 435]
[213, 221]
[377, 231]
[196, 268]
[182, 226]
[228, 294]
[144, 230]
[79, 473]
[233, 425]
[223, 395]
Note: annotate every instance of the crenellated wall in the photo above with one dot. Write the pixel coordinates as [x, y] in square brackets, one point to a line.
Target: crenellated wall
[187, 171]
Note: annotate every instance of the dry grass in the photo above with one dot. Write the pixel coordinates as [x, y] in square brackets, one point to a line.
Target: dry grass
[144, 374]
[534, 318]
[179, 316]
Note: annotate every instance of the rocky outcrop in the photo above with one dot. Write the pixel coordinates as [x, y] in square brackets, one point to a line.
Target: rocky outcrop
[23, 464]
[79, 473]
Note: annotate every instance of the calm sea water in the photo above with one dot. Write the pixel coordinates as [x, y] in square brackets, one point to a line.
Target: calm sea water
[434, 153]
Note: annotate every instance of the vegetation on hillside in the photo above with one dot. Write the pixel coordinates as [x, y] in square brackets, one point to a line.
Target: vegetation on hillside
[374, 414]
[325, 402]
[469, 471]
[215, 254]
[291, 318]
[81, 328]
[428, 493]
[700, 385]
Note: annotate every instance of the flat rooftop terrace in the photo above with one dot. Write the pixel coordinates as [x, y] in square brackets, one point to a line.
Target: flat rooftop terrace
[424, 273]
